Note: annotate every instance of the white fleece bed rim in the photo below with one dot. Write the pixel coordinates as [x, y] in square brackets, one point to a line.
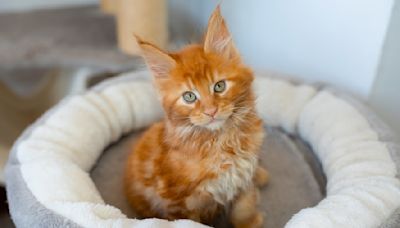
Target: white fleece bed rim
[363, 189]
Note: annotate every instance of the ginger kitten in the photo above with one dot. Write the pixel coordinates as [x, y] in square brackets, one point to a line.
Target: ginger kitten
[202, 160]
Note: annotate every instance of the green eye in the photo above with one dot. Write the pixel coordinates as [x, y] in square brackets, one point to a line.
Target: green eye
[219, 87]
[189, 97]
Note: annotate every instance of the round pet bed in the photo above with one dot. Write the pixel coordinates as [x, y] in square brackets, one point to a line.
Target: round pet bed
[65, 170]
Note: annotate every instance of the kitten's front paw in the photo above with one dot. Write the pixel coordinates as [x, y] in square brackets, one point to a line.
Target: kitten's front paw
[255, 222]
[258, 221]
[261, 177]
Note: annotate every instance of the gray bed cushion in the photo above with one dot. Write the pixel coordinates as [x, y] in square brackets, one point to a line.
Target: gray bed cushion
[296, 179]
[294, 185]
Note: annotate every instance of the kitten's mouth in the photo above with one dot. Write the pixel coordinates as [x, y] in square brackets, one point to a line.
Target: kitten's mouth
[212, 123]
[218, 122]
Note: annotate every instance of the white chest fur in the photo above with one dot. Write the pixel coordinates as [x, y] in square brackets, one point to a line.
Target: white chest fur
[231, 181]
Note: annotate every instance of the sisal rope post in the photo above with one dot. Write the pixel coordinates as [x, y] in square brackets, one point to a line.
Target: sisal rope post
[144, 18]
[109, 6]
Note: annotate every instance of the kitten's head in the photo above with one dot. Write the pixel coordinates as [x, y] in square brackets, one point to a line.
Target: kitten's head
[204, 85]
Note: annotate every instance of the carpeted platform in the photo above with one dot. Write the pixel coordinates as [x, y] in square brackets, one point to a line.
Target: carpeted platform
[61, 37]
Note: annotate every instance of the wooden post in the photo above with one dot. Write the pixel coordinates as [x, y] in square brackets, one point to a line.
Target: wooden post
[109, 6]
[144, 18]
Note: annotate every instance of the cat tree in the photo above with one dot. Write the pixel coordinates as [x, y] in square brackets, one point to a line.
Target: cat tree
[144, 18]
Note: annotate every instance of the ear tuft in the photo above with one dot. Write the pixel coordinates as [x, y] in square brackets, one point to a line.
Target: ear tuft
[158, 61]
[217, 38]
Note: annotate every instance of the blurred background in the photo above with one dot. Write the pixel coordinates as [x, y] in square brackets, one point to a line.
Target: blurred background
[53, 48]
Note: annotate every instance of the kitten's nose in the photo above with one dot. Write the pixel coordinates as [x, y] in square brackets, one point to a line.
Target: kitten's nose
[210, 111]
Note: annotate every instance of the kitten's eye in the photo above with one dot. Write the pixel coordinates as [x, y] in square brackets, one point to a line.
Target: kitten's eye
[189, 97]
[219, 87]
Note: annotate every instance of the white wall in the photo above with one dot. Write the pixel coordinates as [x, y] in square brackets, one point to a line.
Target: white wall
[338, 42]
[385, 95]
[22, 5]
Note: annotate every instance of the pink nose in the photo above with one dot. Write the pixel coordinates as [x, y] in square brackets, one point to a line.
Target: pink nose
[210, 111]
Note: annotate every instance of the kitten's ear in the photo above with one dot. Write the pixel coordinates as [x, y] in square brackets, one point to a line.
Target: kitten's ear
[217, 38]
[158, 61]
